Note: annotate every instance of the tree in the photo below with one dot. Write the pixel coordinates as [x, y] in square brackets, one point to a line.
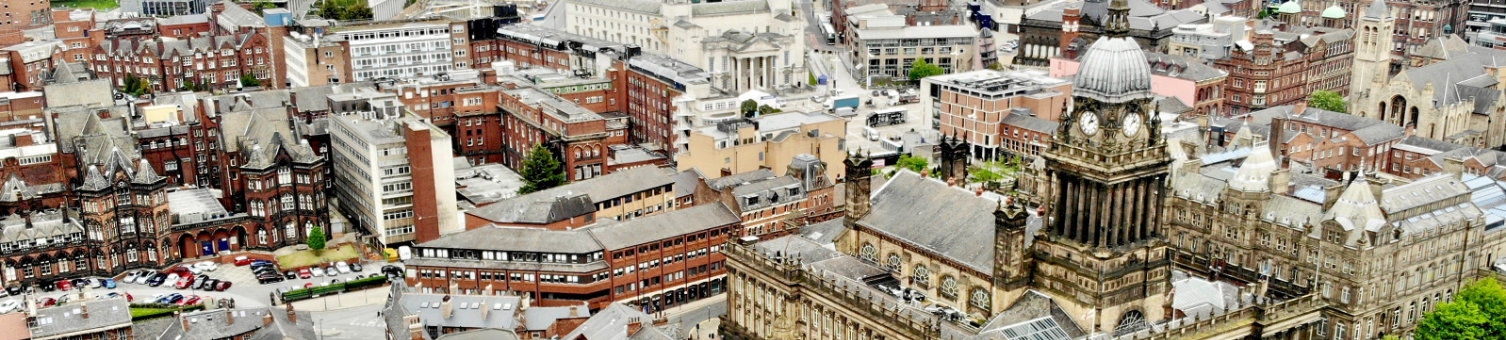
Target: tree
[749, 107]
[1477, 312]
[996, 66]
[248, 80]
[915, 164]
[764, 110]
[541, 170]
[922, 69]
[358, 11]
[316, 239]
[262, 5]
[1328, 100]
[136, 86]
[813, 78]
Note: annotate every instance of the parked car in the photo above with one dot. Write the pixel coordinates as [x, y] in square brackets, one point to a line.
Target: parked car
[64, 285]
[221, 286]
[65, 298]
[127, 296]
[107, 283]
[47, 286]
[190, 300]
[205, 284]
[261, 262]
[391, 270]
[82, 282]
[131, 277]
[331, 271]
[8, 306]
[146, 275]
[15, 290]
[156, 280]
[242, 261]
[305, 273]
[290, 275]
[171, 298]
[355, 266]
[342, 267]
[47, 302]
[317, 271]
[207, 265]
[184, 283]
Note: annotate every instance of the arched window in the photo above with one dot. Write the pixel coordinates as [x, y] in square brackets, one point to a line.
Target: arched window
[949, 287]
[894, 262]
[980, 299]
[921, 277]
[870, 252]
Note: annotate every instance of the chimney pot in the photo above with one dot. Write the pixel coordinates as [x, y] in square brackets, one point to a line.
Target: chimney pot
[292, 316]
[179, 315]
[266, 319]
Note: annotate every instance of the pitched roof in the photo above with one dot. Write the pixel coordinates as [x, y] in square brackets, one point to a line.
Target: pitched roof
[611, 323]
[63, 319]
[574, 199]
[928, 214]
[518, 239]
[657, 227]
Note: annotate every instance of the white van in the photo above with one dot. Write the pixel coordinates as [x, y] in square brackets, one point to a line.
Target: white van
[870, 133]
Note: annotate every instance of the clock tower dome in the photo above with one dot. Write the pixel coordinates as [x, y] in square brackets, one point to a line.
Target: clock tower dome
[1102, 251]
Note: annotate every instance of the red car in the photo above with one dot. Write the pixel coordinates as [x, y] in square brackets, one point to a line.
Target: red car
[190, 300]
[242, 260]
[305, 273]
[221, 286]
[308, 285]
[64, 285]
[185, 282]
[47, 302]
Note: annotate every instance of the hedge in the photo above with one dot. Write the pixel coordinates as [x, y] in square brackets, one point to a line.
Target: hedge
[146, 311]
[307, 293]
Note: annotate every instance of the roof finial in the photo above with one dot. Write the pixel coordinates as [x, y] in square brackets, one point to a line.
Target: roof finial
[1117, 23]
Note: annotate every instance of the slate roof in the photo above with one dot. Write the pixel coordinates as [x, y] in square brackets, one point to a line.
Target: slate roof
[1031, 123]
[1182, 67]
[44, 225]
[63, 319]
[928, 214]
[538, 318]
[1426, 146]
[1144, 15]
[1369, 130]
[518, 239]
[574, 199]
[1462, 76]
[482, 334]
[1032, 306]
[611, 324]
[728, 8]
[657, 227]
[468, 311]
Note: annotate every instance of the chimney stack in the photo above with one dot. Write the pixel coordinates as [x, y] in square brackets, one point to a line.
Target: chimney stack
[634, 326]
[1299, 107]
[445, 308]
[181, 319]
[83, 310]
[229, 317]
[266, 319]
[574, 311]
[292, 316]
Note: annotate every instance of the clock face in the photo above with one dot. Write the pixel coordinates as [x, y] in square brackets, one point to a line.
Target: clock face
[1131, 124]
[1089, 123]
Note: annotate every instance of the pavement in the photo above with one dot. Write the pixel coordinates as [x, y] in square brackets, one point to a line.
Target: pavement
[354, 323]
[703, 313]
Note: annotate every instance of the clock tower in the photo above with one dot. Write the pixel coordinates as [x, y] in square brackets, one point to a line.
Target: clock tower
[1102, 251]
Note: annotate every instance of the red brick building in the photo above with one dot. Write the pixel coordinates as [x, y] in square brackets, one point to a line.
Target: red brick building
[658, 261]
[1284, 68]
[579, 137]
[1329, 141]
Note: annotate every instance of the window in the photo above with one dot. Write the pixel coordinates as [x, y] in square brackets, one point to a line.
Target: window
[980, 299]
[870, 253]
[921, 276]
[949, 287]
[894, 262]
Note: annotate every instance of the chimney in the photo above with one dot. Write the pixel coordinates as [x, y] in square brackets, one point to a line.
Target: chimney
[634, 326]
[1331, 195]
[179, 315]
[445, 308]
[229, 317]
[1281, 179]
[83, 310]
[266, 319]
[1298, 107]
[574, 311]
[292, 316]
[1377, 186]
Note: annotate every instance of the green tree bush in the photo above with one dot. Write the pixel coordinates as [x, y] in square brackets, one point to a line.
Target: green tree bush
[541, 170]
[1328, 100]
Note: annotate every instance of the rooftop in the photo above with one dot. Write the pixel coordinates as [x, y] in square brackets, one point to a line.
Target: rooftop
[102, 314]
[625, 234]
[543, 207]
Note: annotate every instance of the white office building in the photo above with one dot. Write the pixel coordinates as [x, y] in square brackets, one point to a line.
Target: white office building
[395, 177]
[744, 45]
[396, 49]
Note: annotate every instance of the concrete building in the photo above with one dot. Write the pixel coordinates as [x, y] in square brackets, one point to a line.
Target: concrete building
[1209, 41]
[315, 62]
[1066, 28]
[767, 203]
[989, 109]
[396, 176]
[165, 8]
[397, 50]
[1416, 22]
[743, 145]
[888, 51]
[743, 44]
